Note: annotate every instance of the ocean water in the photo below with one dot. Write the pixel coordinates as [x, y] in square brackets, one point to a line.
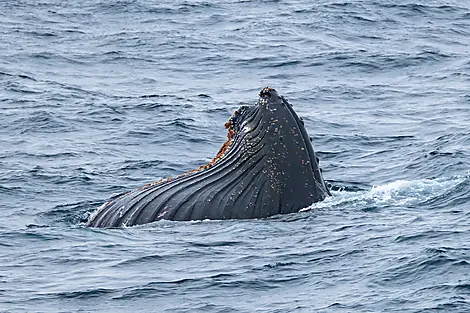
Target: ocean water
[100, 97]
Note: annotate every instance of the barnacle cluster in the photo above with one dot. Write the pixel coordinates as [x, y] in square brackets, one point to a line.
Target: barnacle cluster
[266, 92]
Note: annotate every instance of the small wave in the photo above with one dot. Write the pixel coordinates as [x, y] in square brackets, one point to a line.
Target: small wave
[158, 96]
[428, 235]
[140, 133]
[39, 33]
[166, 286]
[6, 74]
[24, 76]
[453, 197]
[80, 294]
[198, 5]
[69, 214]
[181, 123]
[215, 243]
[33, 234]
[156, 106]
[55, 57]
[58, 178]
[13, 190]
[42, 121]
[417, 268]
[141, 260]
[347, 186]
[371, 140]
[138, 164]
[202, 95]
[223, 110]
[422, 9]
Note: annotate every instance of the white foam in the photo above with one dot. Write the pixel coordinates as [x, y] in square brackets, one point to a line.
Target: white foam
[397, 193]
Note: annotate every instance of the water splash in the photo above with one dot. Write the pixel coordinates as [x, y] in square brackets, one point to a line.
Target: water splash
[401, 193]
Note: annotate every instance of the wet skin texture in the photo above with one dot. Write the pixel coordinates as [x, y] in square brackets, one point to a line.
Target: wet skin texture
[266, 167]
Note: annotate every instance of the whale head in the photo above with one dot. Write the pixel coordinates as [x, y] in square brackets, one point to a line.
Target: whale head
[272, 133]
[266, 167]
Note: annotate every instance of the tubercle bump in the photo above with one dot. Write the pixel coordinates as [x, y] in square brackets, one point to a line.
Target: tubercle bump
[266, 92]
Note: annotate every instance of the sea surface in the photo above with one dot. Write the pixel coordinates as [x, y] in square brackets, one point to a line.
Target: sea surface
[101, 97]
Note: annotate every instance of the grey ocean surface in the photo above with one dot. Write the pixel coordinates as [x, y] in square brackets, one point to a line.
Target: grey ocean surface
[101, 97]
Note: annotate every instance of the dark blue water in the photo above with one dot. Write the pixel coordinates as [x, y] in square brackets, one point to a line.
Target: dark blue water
[100, 97]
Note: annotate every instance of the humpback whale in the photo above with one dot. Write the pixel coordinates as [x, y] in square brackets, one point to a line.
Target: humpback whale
[266, 167]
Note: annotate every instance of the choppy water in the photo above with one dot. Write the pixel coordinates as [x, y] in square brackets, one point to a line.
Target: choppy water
[99, 97]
